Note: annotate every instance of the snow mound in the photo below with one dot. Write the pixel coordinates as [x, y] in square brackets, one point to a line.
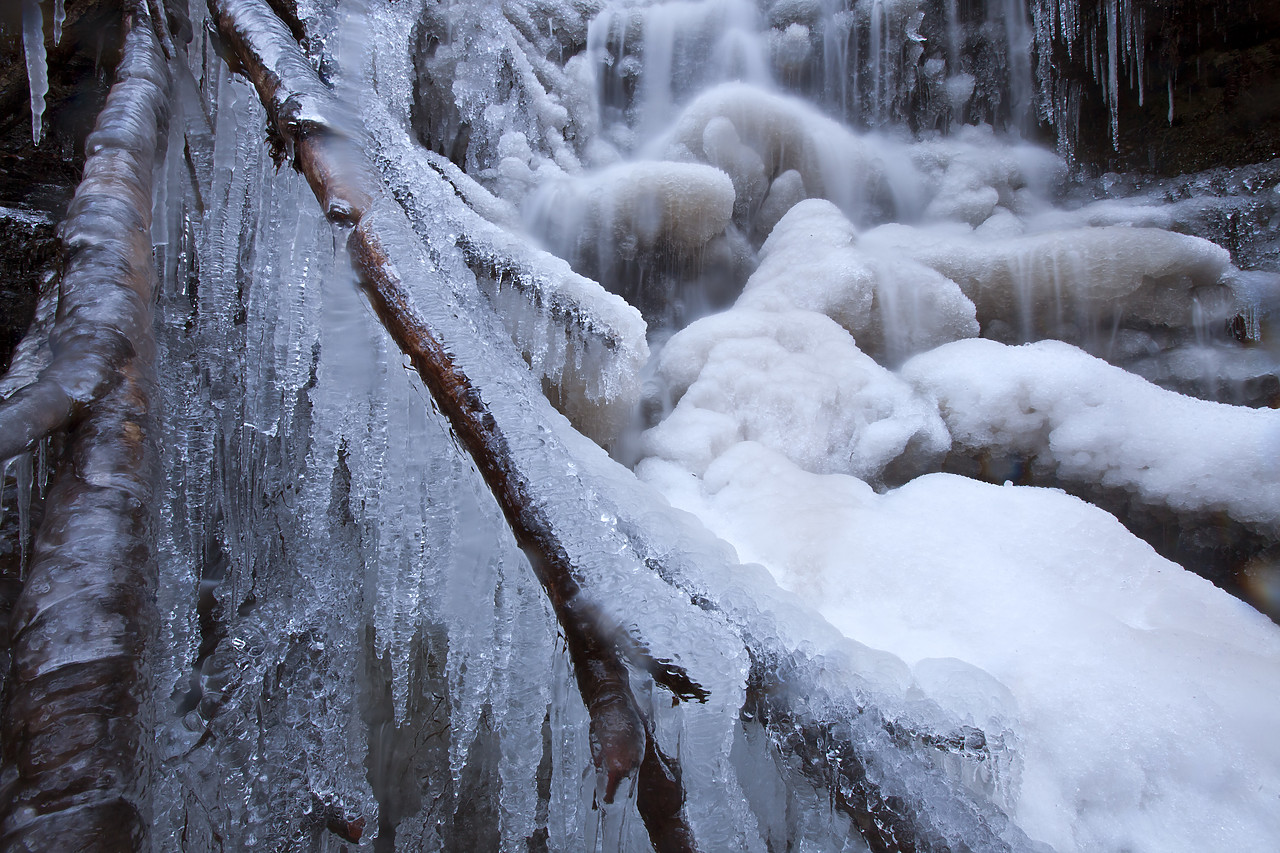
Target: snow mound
[796, 382]
[1142, 695]
[636, 209]
[893, 306]
[973, 175]
[1094, 423]
[756, 136]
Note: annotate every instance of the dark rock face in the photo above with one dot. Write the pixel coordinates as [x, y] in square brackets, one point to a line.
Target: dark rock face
[1219, 63]
[28, 249]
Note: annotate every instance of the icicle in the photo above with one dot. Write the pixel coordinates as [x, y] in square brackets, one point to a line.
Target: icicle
[37, 68]
[4, 478]
[59, 16]
[23, 473]
[1113, 70]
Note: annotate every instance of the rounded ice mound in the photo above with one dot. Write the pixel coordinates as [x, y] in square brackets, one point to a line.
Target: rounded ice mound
[796, 382]
[893, 306]
[634, 210]
[1092, 423]
[971, 174]
[756, 136]
[1145, 275]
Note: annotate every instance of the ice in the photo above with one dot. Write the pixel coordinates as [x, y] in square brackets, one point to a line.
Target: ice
[582, 518]
[1113, 40]
[496, 84]
[586, 343]
[353, 642]
[260, 692]
[1092, 423]
[828, 675]
[892, 306]
[755, 136]
[521, 698]
[634, 211]
[796, 382]
[681, 47]
[37, 68]
[1065, 282]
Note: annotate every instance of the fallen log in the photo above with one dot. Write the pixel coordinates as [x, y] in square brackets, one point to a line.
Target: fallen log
[560, 318]
[326, 150]
[74, 723]
[96, 323]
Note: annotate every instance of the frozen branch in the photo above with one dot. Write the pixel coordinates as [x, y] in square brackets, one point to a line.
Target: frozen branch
[327, 153]
[74, 726]
[572, 541]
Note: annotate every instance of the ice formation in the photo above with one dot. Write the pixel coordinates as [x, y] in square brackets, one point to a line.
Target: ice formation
[1048, 281]
[794, 381]
[893, 306]
[634, 211]
[712, 210]
[1096, 424]
[37, 65]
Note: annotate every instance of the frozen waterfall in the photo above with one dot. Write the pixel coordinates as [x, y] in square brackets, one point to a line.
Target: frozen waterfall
[896, 460]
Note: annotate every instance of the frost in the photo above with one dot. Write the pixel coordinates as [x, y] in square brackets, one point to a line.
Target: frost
[892, 306]
[1053, 606]
[1052, 279]
[351, 635]
[637, 210]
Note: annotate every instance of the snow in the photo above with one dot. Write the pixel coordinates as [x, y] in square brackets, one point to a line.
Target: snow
[1139, 693]
[1092, 423]
[794, 381]
[634, 210]
[893, 306]
[350, 617]
[1083, 275]
[755, 135]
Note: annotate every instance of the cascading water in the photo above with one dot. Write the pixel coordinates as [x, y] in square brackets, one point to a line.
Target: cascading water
[837, 237]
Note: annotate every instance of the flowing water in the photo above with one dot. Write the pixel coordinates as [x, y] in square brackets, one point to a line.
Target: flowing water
[831, 233]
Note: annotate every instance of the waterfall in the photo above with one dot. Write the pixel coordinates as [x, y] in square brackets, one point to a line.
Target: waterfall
[914, 451]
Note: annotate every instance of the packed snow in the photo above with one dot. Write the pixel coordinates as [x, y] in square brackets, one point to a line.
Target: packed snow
[1093, 423]
[1140, 694]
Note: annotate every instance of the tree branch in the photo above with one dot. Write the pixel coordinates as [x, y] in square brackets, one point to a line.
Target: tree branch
[326, 151]
[74, 725]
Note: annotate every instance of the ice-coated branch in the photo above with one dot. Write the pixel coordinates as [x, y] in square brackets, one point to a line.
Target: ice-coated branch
[559, 318]
[74, 726]
[101, 310]
[326, 151]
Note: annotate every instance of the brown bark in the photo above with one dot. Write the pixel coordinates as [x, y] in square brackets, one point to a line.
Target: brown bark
[74, 723]
[103, 309]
